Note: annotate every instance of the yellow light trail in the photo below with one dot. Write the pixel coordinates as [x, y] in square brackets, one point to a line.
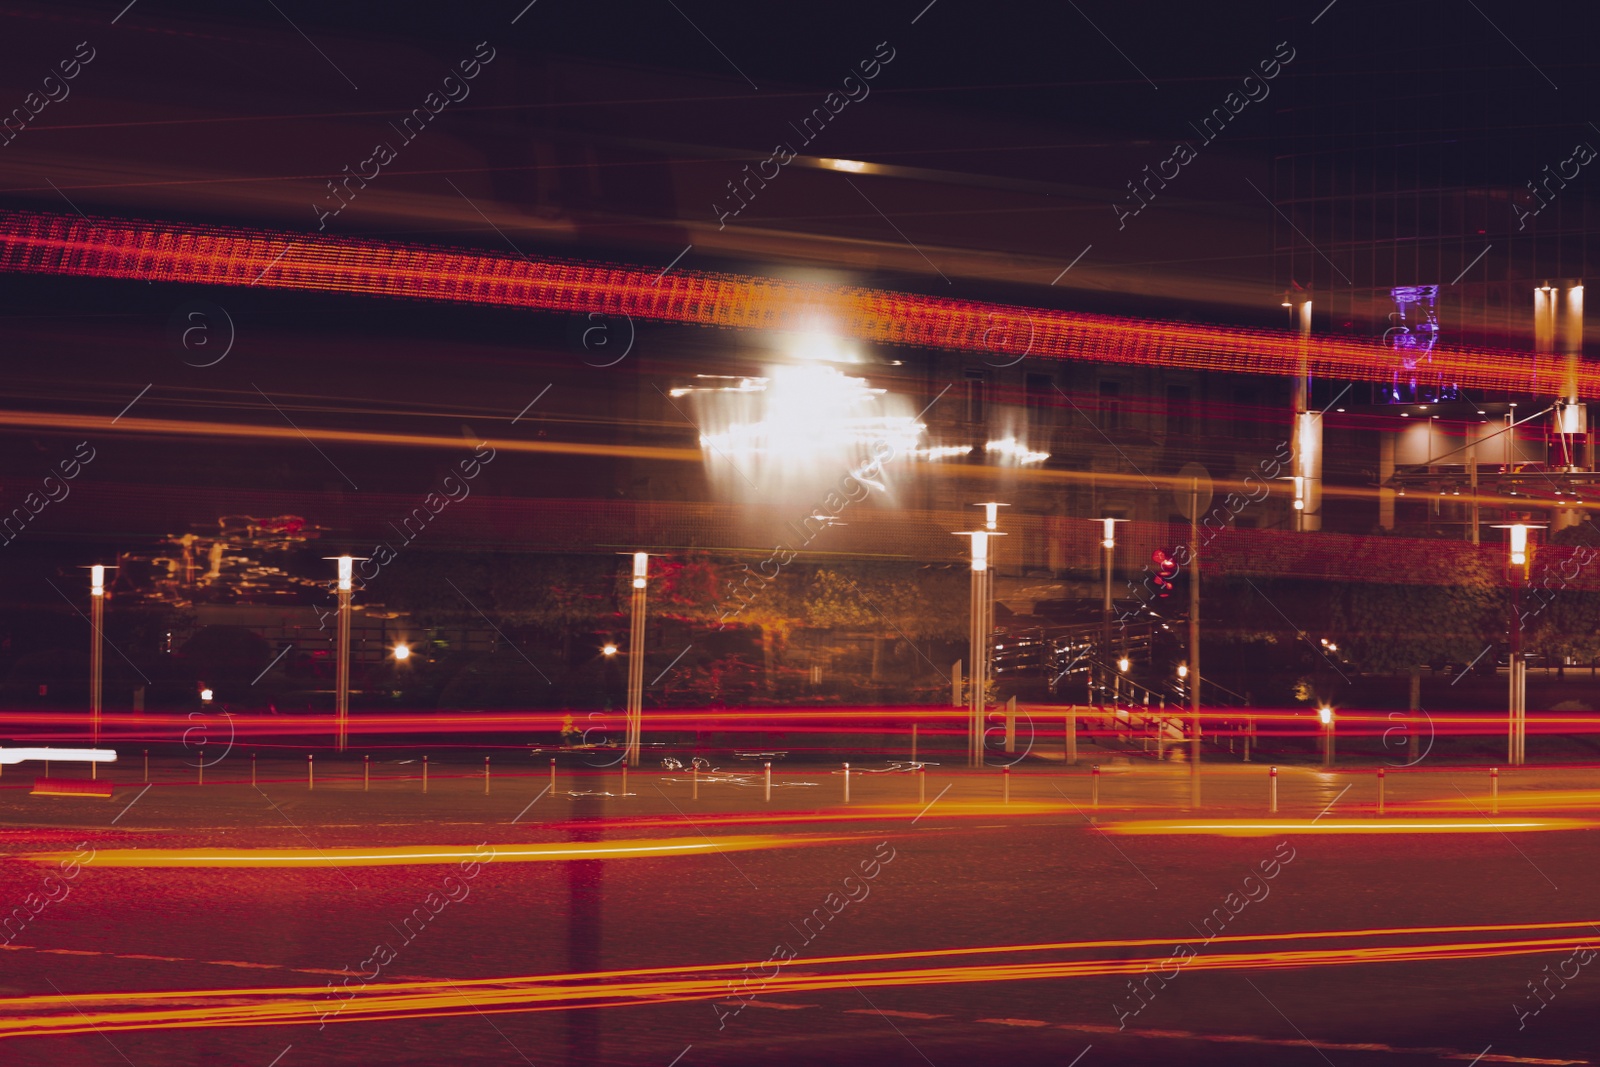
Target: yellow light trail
[84, 1012]
[1522, 800]
[62, 421]
[1273, 828]
[146, 858]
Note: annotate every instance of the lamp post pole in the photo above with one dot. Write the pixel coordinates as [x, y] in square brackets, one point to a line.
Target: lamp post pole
[980, 631]
[97, 618]
[341, 691]
[1194, 642]
[641, 567]
[1108, 542]
[1519, 551]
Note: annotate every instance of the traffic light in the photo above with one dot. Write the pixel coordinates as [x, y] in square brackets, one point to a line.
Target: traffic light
[1166, 570]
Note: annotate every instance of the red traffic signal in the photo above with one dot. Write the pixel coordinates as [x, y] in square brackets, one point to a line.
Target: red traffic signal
[1166, 570]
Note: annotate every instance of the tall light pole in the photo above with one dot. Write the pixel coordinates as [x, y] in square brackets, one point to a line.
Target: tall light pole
[1108, 543]
[1517, 669]
[97, 618]
[641, 573]
[341, 666]
[1194, 642]
[1306, 443]
[980, 629]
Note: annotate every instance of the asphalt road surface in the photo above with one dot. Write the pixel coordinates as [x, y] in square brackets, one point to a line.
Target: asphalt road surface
[281, 926]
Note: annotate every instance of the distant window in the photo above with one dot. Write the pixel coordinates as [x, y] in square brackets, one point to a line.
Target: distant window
[1246, 415]
[977, 384]
[1110, 406]
[1180, 411]
[1041, 388]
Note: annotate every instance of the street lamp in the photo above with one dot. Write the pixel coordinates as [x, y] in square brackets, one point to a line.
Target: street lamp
[97, 618]
[402, 652]
[641, 574]
[341, 675]
[1518, 551]
[980, 628]
[608, 649]
[1325, 714]
[1108, 542]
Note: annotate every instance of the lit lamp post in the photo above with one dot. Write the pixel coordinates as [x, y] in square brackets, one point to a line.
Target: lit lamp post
[1108, 542]
[1325, 714]
[641, 572]
[979, 632]
[97, 617]
[1517, 572]
[341, 667]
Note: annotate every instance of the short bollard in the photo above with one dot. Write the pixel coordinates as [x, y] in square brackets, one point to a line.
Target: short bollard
[922, 785]
[847, 783]
[695, 778]
[1272, 790]
[252, 771]
[1094, 786]
[624, 780]
[1005, 784]
[424, 774]
[766, 769]
[366, 774]
[200, 769]
[147, 765]
[486, 776]
[913, 742]
[1380, 790]
[1494, 790]
[311, 775]
[552, 774]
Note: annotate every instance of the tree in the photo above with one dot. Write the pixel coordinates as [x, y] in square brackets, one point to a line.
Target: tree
[1559, 619]
[1447, 615]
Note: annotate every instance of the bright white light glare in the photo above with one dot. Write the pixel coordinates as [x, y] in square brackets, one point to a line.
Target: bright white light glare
[991, 514]
[798, 429]
[1123, 664]
[1519, 544]
[58, 755]
[1110, 539]
[641, 568]
[1325, 713]
[1299, 493]
[608, 649]
[402, 651]
[854, 166]
[941, 452]
[1012, 449]
[346, 565]
[206, 695]
[980, 551]
[97, 580]
[1183, 670]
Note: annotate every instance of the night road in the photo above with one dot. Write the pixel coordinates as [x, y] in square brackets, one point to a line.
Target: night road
[964, 930]
[677, 533]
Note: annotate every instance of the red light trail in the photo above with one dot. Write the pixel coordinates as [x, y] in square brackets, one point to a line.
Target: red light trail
[38, 243]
